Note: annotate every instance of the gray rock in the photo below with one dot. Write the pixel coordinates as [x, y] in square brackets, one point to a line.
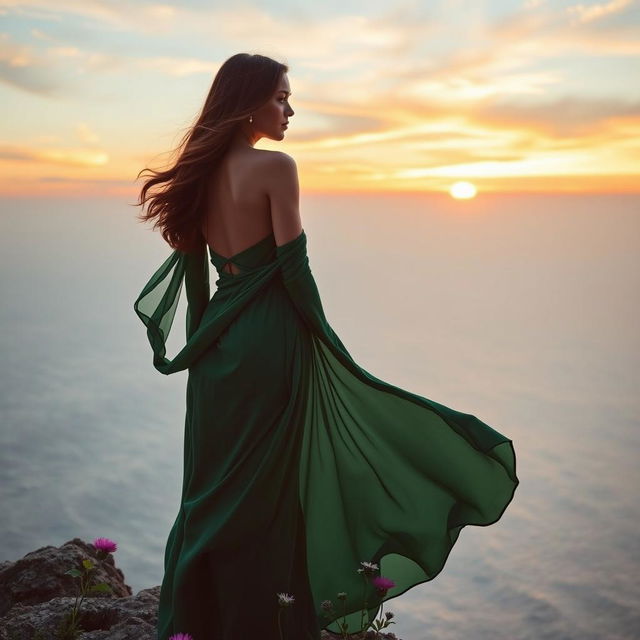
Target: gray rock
[40, 575]
[36, 595]
[125, 618]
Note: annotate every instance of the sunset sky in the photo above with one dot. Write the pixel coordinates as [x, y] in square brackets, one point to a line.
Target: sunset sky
[511, 95]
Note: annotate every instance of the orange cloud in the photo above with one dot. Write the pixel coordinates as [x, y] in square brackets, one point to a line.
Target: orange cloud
[65, 157]
[589, 13]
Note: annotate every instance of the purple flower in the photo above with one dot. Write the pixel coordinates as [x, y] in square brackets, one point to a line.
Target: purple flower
[382, 584]
[181, 636]
[104, 544]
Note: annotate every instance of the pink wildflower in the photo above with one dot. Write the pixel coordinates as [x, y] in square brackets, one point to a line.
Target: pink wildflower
[181, 636]
[104, 544]
[382, 584]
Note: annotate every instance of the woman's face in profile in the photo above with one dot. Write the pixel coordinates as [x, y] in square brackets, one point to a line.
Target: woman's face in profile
[269, 121]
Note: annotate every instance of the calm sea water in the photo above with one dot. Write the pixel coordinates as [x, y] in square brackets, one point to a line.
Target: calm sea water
[522, 310]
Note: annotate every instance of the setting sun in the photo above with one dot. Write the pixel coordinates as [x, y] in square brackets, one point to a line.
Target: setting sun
[463, 190]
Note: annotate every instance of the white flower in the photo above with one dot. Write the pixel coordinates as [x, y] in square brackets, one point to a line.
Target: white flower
[285, 599]
[326, 605]
[368, 568]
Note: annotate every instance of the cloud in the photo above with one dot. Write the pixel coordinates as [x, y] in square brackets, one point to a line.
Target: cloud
[85, 134]
[49, 72]
[21, 68]
[342, 43]
[41, 35]
[58, 69]
[550, 31]
[177, 66]
[589, 13]
[66, 157]
[96, 181]
[566, 116]
[503, 138]
[114, 14]
[339, 41]
[305, 37]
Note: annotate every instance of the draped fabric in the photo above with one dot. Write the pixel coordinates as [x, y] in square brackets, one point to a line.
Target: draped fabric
[299, 464]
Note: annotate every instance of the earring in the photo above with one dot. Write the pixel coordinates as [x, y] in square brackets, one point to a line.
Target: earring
[250, 118]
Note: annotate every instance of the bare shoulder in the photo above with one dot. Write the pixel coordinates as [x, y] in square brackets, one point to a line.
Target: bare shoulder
[277, 161]
[281, 174]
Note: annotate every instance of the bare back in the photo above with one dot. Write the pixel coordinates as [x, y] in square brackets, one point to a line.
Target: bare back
[237, 209]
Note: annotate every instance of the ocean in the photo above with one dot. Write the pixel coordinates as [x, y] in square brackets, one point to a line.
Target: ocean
[520, 309]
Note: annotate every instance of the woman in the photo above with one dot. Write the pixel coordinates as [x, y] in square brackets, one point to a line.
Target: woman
[299, 465]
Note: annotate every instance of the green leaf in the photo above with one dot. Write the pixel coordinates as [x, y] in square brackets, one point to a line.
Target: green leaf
[87, 564]
[102, 587]
[76, 573]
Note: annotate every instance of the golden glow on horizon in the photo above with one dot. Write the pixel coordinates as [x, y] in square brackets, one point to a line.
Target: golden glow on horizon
[463, 190]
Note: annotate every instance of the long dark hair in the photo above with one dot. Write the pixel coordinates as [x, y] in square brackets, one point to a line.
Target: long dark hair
[243, 83]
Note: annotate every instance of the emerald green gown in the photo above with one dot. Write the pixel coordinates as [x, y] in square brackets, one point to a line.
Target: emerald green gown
[299, 464]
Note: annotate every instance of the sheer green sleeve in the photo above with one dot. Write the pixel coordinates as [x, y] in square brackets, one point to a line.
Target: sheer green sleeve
[157, 303]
